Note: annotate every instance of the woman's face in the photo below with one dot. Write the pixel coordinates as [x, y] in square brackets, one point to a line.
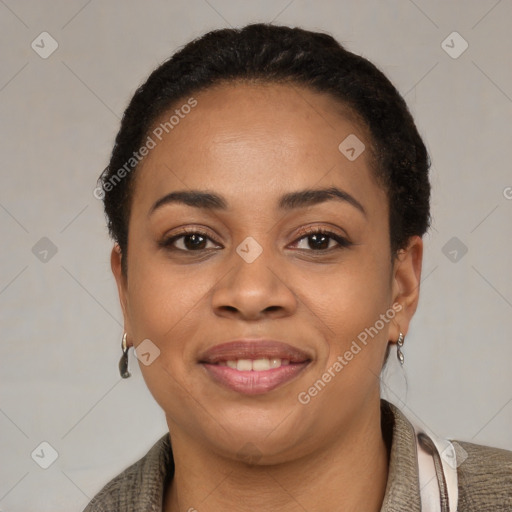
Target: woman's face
[246, 265]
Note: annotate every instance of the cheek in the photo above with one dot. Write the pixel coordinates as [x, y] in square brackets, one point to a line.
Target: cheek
[165, 307]
[352, 307]
[162, 301]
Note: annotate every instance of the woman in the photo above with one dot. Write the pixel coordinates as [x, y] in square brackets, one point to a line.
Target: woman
[267, 194]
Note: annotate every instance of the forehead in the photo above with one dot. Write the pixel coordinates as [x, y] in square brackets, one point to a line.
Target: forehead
[244, 139]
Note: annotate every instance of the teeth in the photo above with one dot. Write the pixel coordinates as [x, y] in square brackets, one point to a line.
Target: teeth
[258, 365]
[244, 365]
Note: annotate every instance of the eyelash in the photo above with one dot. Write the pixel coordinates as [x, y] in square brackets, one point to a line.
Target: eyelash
[307, 232]
[304, 233]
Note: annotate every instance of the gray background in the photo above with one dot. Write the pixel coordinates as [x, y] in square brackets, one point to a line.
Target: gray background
[61, 324]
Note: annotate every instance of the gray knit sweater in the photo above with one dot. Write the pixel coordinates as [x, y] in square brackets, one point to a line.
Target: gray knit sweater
[484, 478]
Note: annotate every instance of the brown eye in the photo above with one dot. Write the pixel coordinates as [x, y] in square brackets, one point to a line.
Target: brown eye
[190, 241]
[321, 240]
[193, 242]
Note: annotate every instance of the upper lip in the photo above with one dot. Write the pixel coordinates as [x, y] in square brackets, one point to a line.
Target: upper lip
[253, 349]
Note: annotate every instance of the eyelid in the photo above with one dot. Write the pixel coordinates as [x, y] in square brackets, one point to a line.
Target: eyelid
[341, 240]
[314, 229]
[168, 240]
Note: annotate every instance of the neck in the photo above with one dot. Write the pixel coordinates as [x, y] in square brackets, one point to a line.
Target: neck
[348, 474]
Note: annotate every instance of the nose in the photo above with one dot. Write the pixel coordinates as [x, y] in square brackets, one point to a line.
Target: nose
[254, 291]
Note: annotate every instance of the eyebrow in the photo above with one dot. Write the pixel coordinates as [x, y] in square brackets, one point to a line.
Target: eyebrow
[289, 201]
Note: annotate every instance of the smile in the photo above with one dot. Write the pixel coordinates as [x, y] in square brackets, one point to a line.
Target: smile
[253, 367]
[258, 365]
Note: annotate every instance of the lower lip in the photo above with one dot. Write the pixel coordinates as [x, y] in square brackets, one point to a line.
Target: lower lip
[254, 382]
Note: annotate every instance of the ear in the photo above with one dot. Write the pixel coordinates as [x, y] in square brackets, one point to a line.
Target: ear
[122, 285]
[406, 280]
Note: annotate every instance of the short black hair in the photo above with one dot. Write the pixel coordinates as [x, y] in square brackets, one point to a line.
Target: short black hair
[278, 54]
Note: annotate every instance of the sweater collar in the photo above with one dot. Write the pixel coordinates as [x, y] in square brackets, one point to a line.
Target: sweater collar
[402, 488]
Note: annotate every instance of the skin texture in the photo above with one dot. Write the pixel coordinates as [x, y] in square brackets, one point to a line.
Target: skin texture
[251, 144]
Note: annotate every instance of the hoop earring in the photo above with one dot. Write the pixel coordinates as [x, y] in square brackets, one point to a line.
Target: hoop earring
[399, 345]
[123, 362]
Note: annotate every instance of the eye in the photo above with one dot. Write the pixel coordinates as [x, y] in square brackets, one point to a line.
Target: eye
[321, 240]
[189, 241]
[317, 240]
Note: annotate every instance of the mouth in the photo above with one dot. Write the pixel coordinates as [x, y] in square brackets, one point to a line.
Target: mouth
[254, 367]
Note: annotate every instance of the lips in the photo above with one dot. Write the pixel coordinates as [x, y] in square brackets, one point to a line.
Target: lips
[254, 366]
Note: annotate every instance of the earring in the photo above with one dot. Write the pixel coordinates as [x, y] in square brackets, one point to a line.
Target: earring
[123, 362]
[399, 345]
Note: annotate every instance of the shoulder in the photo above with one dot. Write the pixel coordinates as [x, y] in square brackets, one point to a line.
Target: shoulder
[485, 477]
[139, 485]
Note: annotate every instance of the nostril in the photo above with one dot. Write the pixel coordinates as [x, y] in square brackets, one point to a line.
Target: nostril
[232, 309]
